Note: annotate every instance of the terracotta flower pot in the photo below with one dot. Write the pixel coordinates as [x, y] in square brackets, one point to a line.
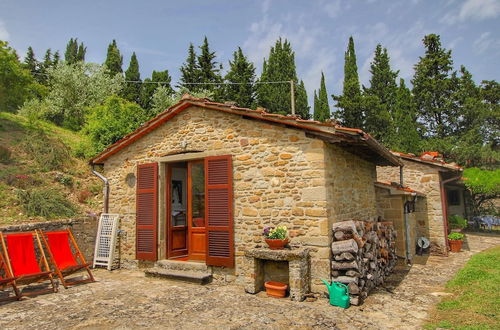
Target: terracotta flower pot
[275, 289]
[276, 244]
[455, 245]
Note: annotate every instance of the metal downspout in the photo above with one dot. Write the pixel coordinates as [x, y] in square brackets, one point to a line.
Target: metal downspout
[444, 206]
[406, 222]
[105, 189]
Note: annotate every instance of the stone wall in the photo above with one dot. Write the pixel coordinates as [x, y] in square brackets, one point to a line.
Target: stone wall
[425, 179]
[84, 229]
[279, 178]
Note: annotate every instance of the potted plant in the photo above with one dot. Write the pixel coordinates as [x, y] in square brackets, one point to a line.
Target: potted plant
[457, 223]
[276, 238]
[456, 240]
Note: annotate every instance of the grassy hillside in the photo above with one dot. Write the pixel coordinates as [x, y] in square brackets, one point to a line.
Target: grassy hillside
[41, 177]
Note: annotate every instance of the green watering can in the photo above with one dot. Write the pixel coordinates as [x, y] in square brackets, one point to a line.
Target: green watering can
[339, 294]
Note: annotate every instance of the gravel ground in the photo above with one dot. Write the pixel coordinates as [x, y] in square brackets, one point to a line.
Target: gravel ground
[126, 299]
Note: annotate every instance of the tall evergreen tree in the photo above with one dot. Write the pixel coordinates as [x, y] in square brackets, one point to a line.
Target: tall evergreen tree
[433, 87]
[350, 103]
[279, 67]
[132, 88]
[242, 75]
[71, 54]
[316, 111]
[190, 72]
[158, 78]
[114, 60]
[380, 97]
[80, 55]
[322, 110]
[56, 58]
[302, 108]
[46, 64]
[30, 62]
[209, 70]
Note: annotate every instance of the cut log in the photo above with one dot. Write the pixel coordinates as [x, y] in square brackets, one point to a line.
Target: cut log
[345, 279]
[345, 226]
[344, 265]
[344, 246]
[353, 288]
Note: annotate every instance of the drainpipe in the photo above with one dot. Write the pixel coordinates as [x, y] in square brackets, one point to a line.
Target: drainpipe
[105, 189]
[405, 219]
[401, 181]
[444, 206]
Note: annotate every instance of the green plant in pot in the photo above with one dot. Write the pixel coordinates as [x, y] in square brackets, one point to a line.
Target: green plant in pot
[456, 240]
[457, 223]
[276, 237]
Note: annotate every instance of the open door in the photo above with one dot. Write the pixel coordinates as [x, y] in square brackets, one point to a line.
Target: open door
[177, 226]
[196, 210]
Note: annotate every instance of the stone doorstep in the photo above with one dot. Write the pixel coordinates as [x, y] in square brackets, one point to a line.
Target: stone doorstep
[177, 265]
[179, 275]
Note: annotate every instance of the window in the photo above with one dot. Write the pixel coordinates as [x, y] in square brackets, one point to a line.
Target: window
[453, 197]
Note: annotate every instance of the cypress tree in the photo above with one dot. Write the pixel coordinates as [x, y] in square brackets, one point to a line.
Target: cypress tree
[433, 87]
[31, 63]
[350, 103]
[71, 53]
[114, 60]
[316, 111]
[190, 72]
[80, 55]
[322, 111]
[241, 72]
[380, 96]
[132, 88]
[302, 108]
[209, 70]
[46, 64]
[405, 137]
[56, 59]
[279, 66]
[158, 78]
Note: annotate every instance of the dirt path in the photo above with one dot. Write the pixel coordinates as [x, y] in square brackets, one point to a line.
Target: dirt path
[127, 299]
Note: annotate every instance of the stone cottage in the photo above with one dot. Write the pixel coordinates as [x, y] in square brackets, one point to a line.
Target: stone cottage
[197, 184]
[444, 194]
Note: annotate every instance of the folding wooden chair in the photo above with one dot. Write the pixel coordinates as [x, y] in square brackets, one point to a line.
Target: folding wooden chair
[65, 262]
[6, 279]
[22, 261]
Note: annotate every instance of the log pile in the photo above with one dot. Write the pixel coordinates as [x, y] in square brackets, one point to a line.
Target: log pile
[363, 255]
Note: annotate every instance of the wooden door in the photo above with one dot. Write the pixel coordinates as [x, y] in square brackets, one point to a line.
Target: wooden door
[196, 210]
[177, 227]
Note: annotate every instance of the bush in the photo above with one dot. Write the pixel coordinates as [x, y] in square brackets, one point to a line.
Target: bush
[46, 203]
[457, 222]
[456, 236]
[49, 154]
[5, 155]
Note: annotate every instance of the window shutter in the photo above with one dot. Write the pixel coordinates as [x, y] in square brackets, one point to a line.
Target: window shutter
[219, 211]
[146, 212]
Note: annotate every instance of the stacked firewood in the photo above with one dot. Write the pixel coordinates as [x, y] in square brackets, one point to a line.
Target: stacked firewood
[363, 255]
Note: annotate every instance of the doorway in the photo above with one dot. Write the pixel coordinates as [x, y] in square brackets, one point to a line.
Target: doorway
[186, 234]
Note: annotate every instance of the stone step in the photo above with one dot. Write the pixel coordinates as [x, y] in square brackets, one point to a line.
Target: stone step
[179, 275]
[192, 266]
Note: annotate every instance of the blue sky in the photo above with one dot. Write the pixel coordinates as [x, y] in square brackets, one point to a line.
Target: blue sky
[160, 31]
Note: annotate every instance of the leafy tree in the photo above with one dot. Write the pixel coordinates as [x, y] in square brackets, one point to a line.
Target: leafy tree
[322, 109]
[483, 185]
[114, 60]
[30, 62]
[16, 82]
[163, 99]
[132, 90]
[109, 122]
[433, 87]
[209, 70]
[74, 88]
[279, 67]
[302, 108]
[74, 52]
[158, 78]
[242, 75]
[190, 72]
[350, 103]
[490, 97]
[380, 97]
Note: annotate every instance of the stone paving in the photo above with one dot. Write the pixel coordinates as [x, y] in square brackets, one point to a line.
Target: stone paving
[126, 299]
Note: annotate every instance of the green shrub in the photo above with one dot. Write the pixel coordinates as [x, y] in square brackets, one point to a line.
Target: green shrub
[457, 222]
[48, 153]
[47, 203]
[456, 236]
[5, 155]
[66, 180]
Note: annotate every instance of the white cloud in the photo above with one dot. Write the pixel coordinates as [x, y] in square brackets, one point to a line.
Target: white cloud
[485, 43]
[332, 8]
[4, 34]
[475, 10]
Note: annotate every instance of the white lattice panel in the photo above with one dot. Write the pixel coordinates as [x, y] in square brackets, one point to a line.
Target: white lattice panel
[106, 240]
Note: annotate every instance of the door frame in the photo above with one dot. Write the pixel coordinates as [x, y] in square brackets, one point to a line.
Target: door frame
[168, 214]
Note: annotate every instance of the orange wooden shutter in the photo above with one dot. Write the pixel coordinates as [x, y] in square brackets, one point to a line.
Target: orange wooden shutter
[219, 211]
[146, 212]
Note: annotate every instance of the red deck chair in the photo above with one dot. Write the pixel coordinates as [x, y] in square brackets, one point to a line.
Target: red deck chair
[22, 261]
[65, 263]
[6, 279]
